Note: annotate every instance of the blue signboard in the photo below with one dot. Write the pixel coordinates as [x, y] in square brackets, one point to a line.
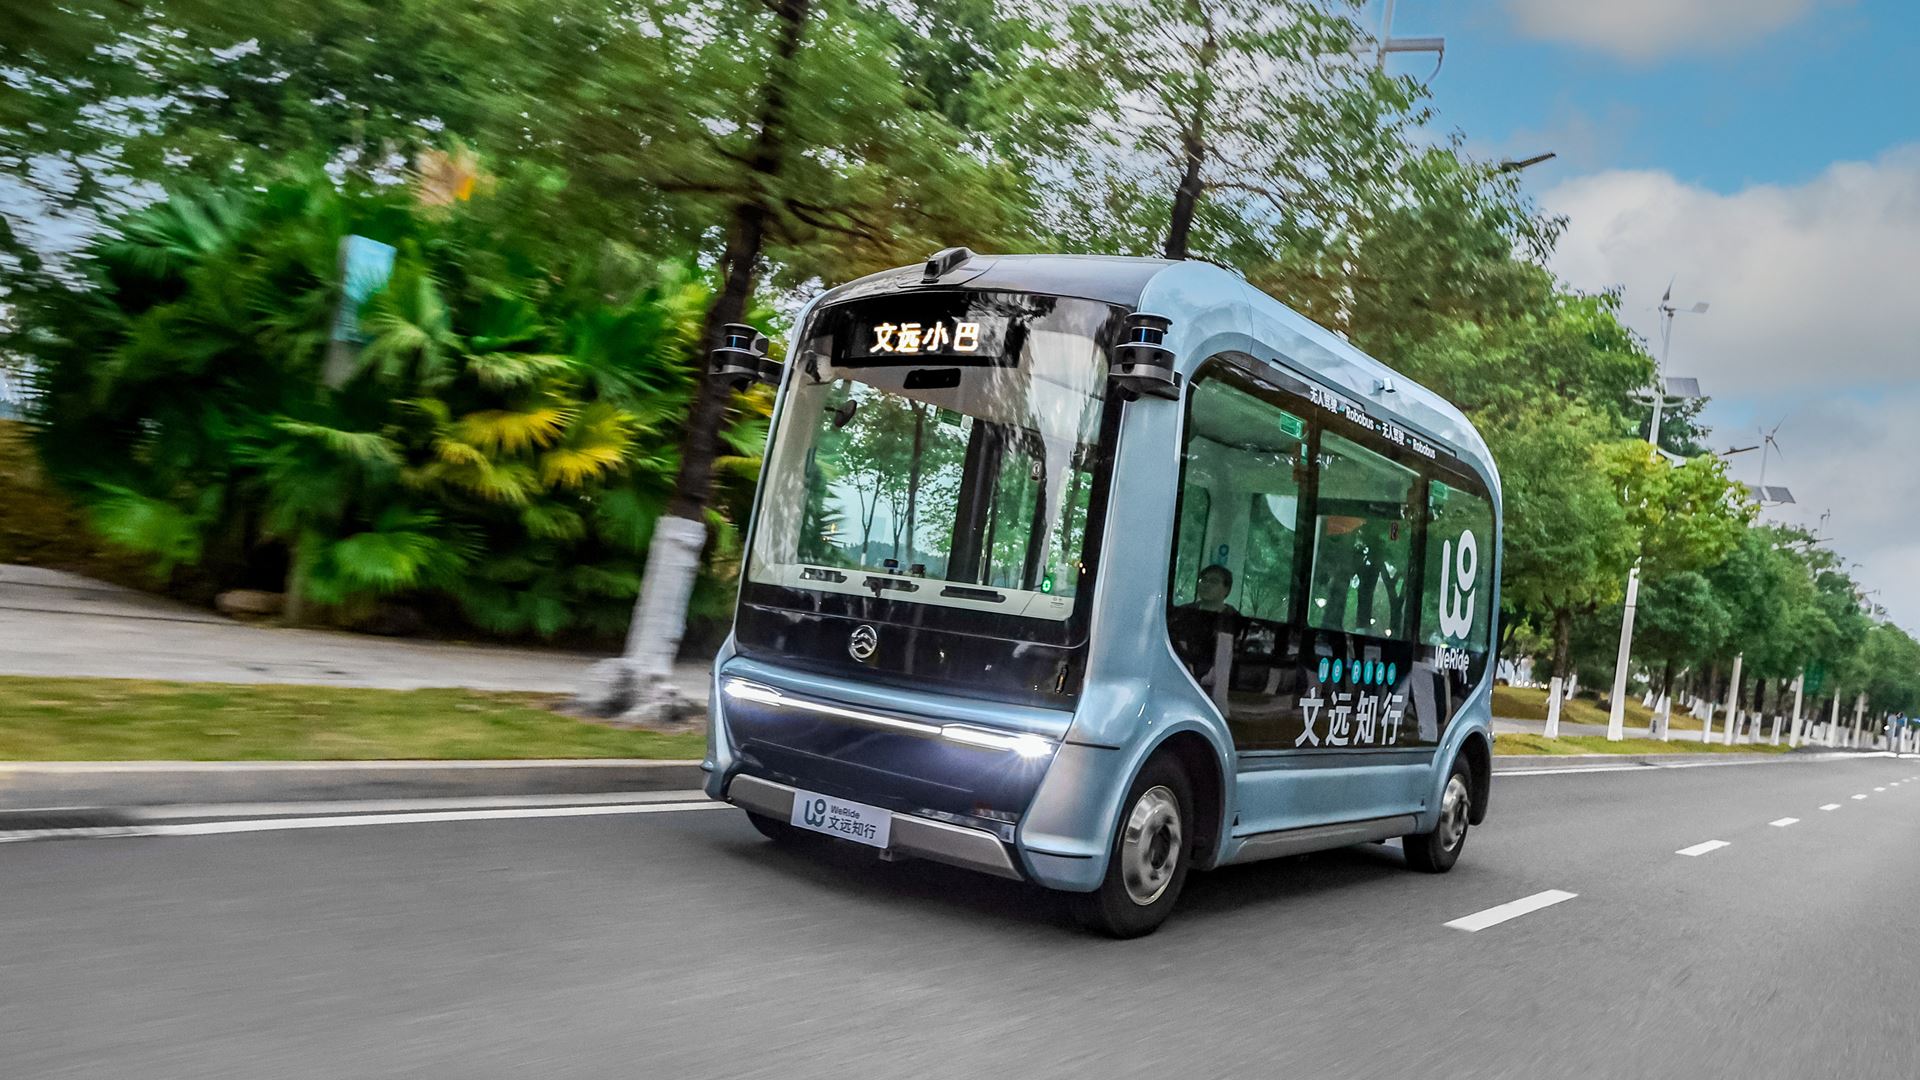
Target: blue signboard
[365, 266]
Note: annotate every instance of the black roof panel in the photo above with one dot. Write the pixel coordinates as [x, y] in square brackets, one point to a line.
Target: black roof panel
[1108, 278]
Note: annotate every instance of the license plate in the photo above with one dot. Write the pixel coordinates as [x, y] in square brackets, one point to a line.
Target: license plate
[858, 822]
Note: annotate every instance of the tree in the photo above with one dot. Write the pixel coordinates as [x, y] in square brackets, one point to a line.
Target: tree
[1453, 265]
[497, 445]
[1680, 622]
[811, 161]
[1568, 541]
[116, 100]
[1251, 127]
[1890, 670]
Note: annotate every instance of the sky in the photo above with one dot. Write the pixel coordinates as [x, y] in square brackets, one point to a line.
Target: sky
[1764, 156]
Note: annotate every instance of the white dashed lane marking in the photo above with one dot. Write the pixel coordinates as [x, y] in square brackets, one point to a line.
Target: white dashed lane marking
[1494, 916]
[1784, 822]
[1698, 850]
[1831, 806]
[1859, 796]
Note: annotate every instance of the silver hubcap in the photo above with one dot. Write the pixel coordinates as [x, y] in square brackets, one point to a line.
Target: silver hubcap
[1150, 847]
[1453, 814]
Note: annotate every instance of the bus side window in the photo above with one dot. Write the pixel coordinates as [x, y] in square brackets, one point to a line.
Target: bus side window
[1363, 543]
[1190, 541]
[1237, 549]
[1457, 584]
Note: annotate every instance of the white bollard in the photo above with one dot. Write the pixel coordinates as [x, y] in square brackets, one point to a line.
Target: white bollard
[1706, 724]
[1799, 689]
[1553, 707]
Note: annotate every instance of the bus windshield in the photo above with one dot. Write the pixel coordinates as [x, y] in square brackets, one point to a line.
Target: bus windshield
[940, 449]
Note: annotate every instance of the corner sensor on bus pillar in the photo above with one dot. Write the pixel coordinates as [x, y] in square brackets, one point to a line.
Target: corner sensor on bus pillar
[742, 357]
[1142, 363]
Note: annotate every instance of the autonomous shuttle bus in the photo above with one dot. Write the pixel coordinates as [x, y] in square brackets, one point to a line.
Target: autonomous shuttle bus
[1092, 572]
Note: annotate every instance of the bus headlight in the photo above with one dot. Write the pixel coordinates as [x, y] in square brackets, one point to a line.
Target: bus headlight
[1027, 746]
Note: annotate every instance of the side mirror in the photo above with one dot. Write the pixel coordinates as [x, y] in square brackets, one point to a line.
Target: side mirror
[742, 357]
[1141, 363]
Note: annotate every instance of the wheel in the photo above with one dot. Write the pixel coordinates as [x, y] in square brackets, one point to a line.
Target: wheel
[1151, 854]
[773, 828]
[1435, 852]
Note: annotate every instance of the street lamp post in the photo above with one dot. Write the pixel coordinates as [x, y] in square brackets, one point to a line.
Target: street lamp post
[1617, 708]
[1390, 44]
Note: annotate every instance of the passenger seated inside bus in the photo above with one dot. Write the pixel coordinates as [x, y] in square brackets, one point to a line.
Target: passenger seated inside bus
[1196, 627]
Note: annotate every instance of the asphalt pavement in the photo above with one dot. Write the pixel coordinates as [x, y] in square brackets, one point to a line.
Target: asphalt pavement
[665, 938]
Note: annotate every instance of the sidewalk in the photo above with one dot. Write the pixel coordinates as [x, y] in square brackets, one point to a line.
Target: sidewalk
[59, 624]
[92, 784]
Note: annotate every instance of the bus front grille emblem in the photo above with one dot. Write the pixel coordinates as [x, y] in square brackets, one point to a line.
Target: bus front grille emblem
[864, 640]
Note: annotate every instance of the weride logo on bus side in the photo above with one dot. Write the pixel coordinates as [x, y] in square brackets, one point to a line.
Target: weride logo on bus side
[1459, 569]
[1457, 585]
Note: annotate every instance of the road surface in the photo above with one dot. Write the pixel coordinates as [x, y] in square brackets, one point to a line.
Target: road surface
[671, 941]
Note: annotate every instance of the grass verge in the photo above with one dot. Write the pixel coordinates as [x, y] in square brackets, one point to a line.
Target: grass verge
[1598, 744]
[70, 719]
[1530, 703]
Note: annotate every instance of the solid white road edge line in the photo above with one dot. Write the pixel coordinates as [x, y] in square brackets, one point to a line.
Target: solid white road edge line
[1784, 822]
[1494, 916]
[213, 828]
[1698, 850]
[324, 808]
[209, 828]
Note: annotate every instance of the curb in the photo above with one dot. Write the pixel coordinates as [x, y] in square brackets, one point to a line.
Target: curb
[36, 785]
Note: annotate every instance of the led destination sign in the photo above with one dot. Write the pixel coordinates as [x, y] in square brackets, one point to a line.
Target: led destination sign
[952, 338]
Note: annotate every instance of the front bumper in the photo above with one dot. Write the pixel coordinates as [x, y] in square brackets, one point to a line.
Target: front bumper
[974, 849]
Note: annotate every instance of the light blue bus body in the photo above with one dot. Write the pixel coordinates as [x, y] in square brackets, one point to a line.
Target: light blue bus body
[1254, 795]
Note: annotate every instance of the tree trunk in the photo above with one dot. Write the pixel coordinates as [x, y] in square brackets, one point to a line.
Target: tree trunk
[913, 481]
[294, 610]
[1193, 152]
[638, 685]
[1186, 197]
[1562, 642]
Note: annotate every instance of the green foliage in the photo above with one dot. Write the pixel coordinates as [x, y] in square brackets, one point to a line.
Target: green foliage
[498, 446]
[1681, 620]
[516, 417]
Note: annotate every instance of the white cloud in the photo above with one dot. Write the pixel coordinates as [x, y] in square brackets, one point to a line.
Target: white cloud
[1644, 29]
[1811, 286]
[1850, 456]
[1815, 293]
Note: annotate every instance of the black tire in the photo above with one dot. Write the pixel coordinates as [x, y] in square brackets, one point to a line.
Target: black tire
[1435, 852]
[773, 828]
[1161, 853]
